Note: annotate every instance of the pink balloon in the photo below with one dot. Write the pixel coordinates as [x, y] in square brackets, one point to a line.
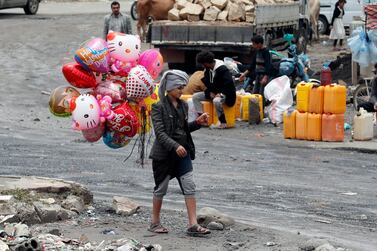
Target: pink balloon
[94, 134]
[153, 61]
[139, 83]
[115, 89]
[94, 56]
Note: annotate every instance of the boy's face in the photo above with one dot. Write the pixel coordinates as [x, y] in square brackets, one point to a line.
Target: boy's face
[176, 93]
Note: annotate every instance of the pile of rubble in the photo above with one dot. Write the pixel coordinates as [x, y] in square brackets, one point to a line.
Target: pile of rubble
[17, 237]
[218, 10]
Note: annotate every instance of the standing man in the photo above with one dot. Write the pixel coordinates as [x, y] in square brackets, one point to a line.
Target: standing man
[116, 21]
[260, 65]
[220, 86]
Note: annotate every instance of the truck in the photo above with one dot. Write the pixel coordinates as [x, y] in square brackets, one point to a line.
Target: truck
[180, 41]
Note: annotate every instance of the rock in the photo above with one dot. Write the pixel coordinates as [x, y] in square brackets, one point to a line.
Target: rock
[55, 231]
[211, 13]
[5, 198]
[236, 12]
[311, 244]
[220, 4]
[7, 209]
[124, 206]
[247, 2]
[223, 15]
[193, 18]
[8, 218]
[74, 203]
[191, 9]
[181, 4]
[52, 213]
[249, 8]
[205, 3]
[215, 226]
[173, 15]
[48, 201]
[207, 215]
[3, 246]
[26, 213]
[21, 230]
[270, 244]
[325, 247]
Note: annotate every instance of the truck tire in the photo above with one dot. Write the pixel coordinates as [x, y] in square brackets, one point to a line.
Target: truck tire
[323, 25]
[31, 7]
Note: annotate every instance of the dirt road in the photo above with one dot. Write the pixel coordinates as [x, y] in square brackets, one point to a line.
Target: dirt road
[250, 173]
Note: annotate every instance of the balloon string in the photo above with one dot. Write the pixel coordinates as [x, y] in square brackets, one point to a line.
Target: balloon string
[142, 135]
[132, 150]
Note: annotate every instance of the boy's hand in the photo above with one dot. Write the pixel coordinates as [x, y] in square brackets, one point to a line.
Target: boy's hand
[181, 151]
[202, 119]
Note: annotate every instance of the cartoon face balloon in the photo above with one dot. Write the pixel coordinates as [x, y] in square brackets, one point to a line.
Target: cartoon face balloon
[152, 61]
[60, 98]
[115, 140]
[85, 112]
[115, 89]
[123, 47]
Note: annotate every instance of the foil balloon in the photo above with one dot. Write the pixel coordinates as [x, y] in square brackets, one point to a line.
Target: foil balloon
[94, 134]
[115, 140]
[139, 83]
[85, 112]
[124, 50]
[60, 98]
[94, 56]
[152, 61]
[77, 76]
[125, 120]
[115, 89]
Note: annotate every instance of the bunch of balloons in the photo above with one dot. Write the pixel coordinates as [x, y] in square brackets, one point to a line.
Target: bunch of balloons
[120, 89]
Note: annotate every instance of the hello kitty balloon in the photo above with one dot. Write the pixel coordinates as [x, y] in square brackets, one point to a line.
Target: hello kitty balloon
[85, 112]
[124, 50]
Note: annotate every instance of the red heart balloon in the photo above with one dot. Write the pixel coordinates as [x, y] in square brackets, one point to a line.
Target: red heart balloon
[125, 120]
[77, 76]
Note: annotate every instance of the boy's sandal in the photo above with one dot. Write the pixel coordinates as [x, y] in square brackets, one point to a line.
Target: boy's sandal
[197, 231]
[158, 228]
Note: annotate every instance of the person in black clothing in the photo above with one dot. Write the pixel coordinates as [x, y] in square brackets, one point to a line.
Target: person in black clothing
[338, 32]
[371, 105]
[260, 65]
[173, 149]
[220, 86]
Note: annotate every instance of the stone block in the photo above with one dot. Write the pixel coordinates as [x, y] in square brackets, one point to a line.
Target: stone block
[211, 13]
[250, 8]
[74, 203]
[193, 18]
[173, 15]
[220, 4]
[191, 9]
[207, 215]
[250, 17]
[52, 213]
[236, 12]
[27, 214]
[180, 4]
[205, 3]
[223, 15]
[124, 206]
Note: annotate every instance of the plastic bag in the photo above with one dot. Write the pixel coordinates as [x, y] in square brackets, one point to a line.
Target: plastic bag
[231, 65]
[278, 91]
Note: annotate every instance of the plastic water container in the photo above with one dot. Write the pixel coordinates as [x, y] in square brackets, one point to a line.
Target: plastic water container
[245, 106]
[208, 108]
[301, 125]
[186, 97]
[333, 127]
[238, 106]
[229, 116]
[326, 75]
[289, 124]
[335, 99]
[302, 98]
[316, 99]
[314, 127]
[363, 125]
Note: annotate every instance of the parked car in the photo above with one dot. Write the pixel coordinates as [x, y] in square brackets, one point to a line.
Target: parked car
[30, 6]
[352, 8]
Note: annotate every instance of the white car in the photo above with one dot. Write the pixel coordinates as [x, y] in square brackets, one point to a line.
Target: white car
[352, 8]
[30, 6]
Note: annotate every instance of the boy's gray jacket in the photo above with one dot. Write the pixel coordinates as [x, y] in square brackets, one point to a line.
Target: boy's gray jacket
[164, 121]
